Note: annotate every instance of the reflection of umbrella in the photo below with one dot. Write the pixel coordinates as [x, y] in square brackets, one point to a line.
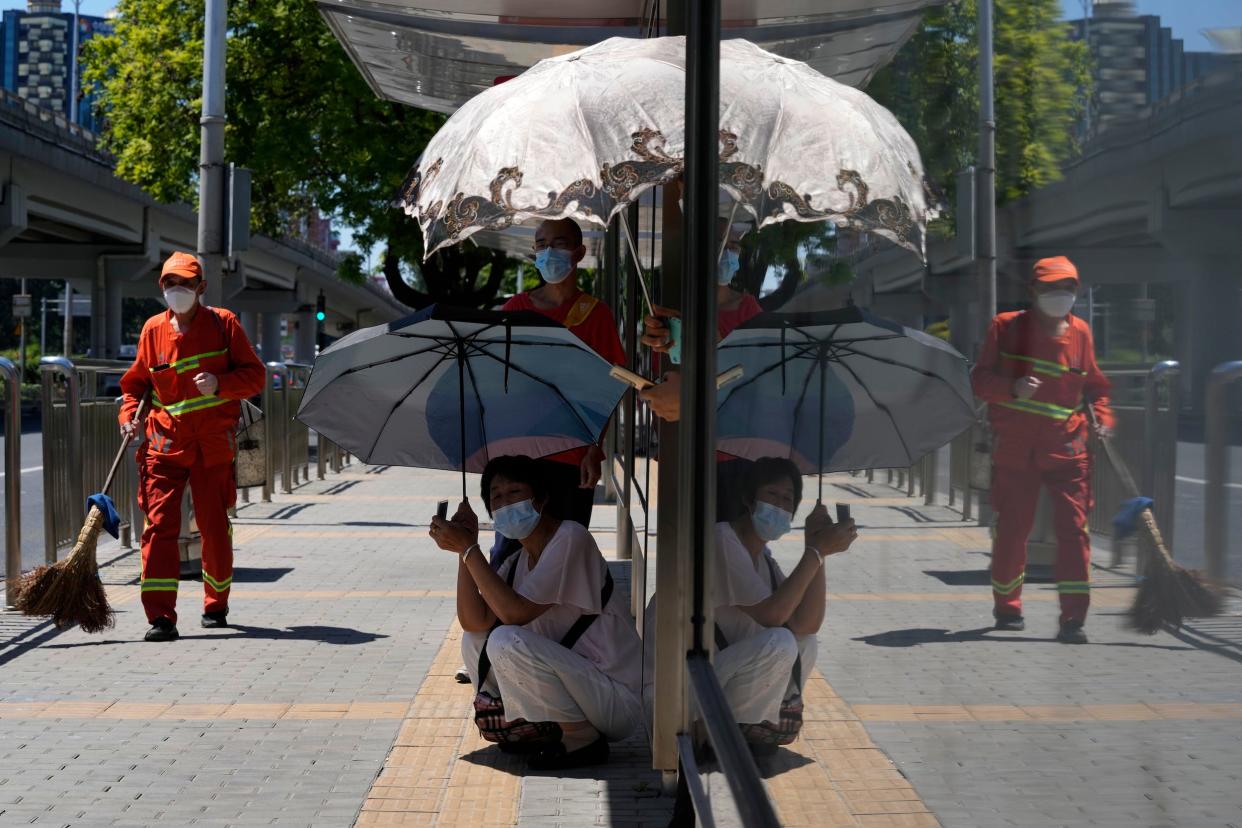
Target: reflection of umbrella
[840, 390]
[584, 134]
[450, 389]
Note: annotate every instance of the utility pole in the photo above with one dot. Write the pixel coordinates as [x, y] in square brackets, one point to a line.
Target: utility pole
[211, 169]
[67, 333]
[987, 171]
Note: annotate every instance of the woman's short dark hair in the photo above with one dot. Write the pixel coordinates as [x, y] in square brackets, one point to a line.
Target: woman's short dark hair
[768, 470]
[516, 467]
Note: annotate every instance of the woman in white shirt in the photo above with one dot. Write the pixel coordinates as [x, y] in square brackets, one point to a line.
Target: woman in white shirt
[549, 644]
[766, 622]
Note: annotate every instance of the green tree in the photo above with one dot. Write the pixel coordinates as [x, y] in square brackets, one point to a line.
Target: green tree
[1042, 82]
[299, 114]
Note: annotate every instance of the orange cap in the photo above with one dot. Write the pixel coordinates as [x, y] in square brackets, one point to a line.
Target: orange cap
[1055, 269]
[182, 264]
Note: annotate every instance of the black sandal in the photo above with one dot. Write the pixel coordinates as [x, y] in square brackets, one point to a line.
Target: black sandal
[556, 757]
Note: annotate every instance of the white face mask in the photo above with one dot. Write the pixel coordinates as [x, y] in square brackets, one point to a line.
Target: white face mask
[180, 299]
[1056, 304]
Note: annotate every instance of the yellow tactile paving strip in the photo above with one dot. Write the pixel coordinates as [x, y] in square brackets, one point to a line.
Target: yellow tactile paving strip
[439, 771]
[1049, 713]
[207, 711]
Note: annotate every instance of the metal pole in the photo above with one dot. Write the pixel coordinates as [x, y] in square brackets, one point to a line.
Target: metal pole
[211, 181]
[12, 479]
[25, 323]
[1167, 371]
[67, 333]
[43, 327]
[1216, 462]
[986, 169]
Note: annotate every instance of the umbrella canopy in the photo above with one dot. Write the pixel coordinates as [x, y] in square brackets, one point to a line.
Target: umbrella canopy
[584, 134]
[448, 388]
[840, 390]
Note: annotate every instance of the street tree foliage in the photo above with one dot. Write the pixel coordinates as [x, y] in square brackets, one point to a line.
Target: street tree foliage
[299, 114]
[1043, 81]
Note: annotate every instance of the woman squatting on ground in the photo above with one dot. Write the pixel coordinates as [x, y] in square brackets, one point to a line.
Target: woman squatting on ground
[549, 644]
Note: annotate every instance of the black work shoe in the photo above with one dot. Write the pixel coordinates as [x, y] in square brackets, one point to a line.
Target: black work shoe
[212, 620]
[1072, 633]
[162, 630]
[1012, 623]
[555, 757]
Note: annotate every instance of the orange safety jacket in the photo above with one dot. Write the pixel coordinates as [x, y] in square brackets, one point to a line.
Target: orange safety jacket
[181, 417]
[1052, 423]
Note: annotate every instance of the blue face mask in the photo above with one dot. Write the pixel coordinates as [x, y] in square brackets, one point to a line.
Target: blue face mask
[770, 522]
[554, 265]
[517, 520]
[727, 269]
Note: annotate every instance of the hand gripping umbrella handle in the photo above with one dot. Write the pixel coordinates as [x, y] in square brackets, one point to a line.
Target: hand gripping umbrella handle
[139, 416]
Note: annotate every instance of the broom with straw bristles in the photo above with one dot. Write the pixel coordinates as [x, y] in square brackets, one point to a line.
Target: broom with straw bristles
[1168, 594]
[71, 591]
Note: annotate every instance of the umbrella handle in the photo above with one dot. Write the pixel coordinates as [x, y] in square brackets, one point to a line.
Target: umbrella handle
[638, 263]
[139, 416]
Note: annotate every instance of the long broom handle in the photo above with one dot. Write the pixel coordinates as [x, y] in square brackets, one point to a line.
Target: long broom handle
[1127, 482]
[141, 414]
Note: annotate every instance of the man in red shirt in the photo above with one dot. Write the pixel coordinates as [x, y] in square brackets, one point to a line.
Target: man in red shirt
[197, 364]
[572, 475]
[1037, 372]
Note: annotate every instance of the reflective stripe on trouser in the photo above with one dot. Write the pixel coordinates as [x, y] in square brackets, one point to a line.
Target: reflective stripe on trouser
[162, 482]
[756, 673]
[541, 681]
[1015, 495]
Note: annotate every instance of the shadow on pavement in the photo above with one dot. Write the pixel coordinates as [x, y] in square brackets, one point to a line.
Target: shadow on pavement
[324, 635]
[259, 575]
[915, 636]
[957, 577]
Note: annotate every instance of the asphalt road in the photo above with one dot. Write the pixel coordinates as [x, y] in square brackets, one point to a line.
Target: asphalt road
[32, 497]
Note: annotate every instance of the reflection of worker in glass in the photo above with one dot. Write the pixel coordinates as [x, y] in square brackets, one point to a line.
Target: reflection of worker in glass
[1037, 371]
[767, 621]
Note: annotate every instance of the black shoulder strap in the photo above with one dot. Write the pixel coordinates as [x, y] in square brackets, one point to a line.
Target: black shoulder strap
[569, 639]
[485, 663]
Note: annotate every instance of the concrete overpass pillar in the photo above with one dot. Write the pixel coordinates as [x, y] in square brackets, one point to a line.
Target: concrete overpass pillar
[270, 347]
[304, 344]
[1213, 311]
[114, 302]
[250, 324]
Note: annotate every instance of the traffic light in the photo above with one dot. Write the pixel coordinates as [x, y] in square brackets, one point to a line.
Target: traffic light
[321, 313]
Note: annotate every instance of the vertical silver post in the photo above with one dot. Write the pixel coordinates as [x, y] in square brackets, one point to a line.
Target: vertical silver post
[67, 334]
[12, 479]
[1216, 468]
[211, 181]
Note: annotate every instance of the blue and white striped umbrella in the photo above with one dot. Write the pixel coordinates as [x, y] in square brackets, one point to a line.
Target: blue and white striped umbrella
[840, 390]
[448, 388]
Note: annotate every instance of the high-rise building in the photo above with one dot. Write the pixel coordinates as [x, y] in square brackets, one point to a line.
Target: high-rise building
[1138, 62]
[36, 58]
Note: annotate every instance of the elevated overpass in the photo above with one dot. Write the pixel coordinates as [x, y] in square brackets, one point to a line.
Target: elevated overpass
[65, 215]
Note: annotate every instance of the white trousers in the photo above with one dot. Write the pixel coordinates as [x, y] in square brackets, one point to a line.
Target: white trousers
[756, 673]
[541, 681]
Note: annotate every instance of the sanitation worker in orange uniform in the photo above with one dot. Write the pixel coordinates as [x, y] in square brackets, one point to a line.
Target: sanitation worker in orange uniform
[1037, 372]
[198, 364]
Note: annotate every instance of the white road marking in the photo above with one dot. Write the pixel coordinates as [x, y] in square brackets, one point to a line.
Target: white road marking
[1199, 482]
